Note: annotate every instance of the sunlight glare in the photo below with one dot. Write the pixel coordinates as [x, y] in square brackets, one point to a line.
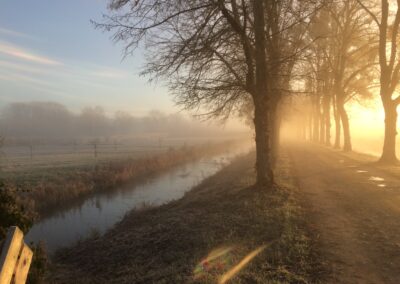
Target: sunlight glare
[237, 268]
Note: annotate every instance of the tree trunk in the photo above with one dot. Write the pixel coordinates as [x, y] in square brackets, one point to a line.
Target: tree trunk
[337, 124]
[309, 126]
[304, 129]
[316, 119]
[345, 123]
[322, 127]
[389, 144]
[261, 99]
[275, 127]
[263, 161]
[327, 118]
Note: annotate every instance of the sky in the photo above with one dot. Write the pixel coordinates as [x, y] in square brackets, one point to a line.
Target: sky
[49, 51]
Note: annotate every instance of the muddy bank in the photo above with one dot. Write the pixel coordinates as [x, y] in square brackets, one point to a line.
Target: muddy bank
[220, 224]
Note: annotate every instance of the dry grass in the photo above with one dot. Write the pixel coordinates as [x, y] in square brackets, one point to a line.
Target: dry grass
[48, 193]
[222, 228]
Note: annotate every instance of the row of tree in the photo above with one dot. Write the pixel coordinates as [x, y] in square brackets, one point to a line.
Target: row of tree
[341, 65]
[355, 57]
[250, 56]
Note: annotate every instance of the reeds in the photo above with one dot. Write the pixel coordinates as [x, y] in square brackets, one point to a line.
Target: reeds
[50, 193]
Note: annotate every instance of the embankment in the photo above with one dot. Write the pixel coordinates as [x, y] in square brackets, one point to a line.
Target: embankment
[225, 228]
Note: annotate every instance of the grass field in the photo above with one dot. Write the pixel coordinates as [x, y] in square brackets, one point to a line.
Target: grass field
[53, 177]
[22, 164]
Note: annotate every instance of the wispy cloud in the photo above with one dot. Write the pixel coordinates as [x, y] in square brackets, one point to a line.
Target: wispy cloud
[8, 32]
[109, 73]
[26, 55]
[41, 85]
[22, 67]
[17, 77]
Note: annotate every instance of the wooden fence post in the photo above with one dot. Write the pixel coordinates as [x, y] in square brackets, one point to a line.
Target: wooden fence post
[15, 258]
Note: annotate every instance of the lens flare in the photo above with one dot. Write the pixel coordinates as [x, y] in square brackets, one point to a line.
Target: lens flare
[216, 261]
[242, 264]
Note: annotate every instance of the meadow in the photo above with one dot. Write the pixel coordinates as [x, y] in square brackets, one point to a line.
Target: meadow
[48, 176]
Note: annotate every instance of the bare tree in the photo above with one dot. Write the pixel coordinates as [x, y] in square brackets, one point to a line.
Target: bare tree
[352, 57]
[286, 30]
[206, 49]
[341, 62]
[387, 19]
[216, 54]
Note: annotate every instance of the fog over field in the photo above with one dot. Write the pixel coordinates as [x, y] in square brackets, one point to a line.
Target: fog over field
[46, 122]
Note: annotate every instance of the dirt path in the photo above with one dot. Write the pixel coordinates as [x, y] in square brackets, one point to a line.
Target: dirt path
[355, 212]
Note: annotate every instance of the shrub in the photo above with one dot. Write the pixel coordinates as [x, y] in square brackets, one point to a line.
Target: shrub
[14, 214]
[11, 212]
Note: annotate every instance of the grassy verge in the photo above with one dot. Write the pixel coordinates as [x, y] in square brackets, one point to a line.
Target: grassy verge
[224, 229]
[47, 193]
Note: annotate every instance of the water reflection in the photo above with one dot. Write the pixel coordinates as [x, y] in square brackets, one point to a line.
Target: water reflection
[103, 210]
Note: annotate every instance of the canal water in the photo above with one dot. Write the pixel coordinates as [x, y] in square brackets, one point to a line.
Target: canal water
[101, 211]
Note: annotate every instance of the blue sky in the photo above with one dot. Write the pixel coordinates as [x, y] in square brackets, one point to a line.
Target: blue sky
[49, 51]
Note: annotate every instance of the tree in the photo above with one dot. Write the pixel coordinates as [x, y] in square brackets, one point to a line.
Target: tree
[389, 64]
[261, 99]
[205, 48]
[352, 57]
[216, 54]
[287, 23]
[343, 58]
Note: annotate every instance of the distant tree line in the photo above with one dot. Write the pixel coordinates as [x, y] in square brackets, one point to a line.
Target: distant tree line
[50, 120]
